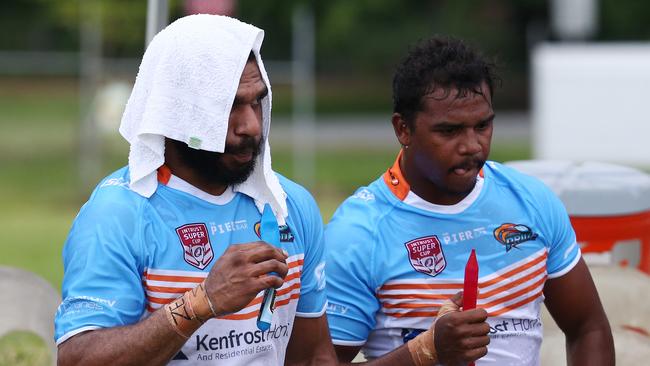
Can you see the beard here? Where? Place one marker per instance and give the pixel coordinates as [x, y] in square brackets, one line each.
[214, 167]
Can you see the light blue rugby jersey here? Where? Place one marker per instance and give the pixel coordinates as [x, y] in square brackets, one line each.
[127, 256]
[393, 258]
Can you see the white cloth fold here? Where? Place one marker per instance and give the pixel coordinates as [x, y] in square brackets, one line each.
[185, 89]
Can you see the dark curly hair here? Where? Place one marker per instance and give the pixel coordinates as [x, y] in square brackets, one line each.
[438, 62]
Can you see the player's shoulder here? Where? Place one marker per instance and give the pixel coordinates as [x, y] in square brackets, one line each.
[373, 198]
[293, 190]
[364, 208]
[506, 176]
[298, 197]
[300, 203]
[113, 192]
[111, 205]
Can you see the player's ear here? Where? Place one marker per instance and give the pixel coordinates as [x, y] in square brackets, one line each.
[402, 129]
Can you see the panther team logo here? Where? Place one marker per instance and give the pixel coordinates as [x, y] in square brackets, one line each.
[285, 232]
[197, 250]
[512, 235]
[426, 255]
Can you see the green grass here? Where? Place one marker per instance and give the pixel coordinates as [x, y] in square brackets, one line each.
[33, 238]
[23, 349]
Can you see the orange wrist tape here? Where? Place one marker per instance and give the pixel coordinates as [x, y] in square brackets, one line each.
[189, 311]
[422, 349]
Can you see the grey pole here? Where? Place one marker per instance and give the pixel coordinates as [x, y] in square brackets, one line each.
[157, 18]
[303, 94]
[574, 20]
[89, 79]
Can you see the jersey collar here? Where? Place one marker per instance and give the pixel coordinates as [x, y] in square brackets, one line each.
[400, 188]
[395, 181]
[166, 178]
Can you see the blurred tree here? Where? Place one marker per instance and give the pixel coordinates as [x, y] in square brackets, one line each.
[275, 18]
[358, 42]
[34, 25]
[624, 20]
[367, 36]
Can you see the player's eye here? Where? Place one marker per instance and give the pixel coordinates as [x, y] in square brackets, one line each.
[484, 125]
[448, 130]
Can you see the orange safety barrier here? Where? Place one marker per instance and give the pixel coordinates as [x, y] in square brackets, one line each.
[600, 233]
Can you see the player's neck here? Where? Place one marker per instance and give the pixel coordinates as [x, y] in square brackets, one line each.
[428, 190]
[198, 181]
[178, 167]
[432, 194]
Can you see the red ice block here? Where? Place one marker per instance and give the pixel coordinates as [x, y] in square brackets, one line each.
[470, 286]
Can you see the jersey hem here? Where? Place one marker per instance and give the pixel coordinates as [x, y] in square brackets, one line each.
[72, 333]
[312, 315]
[566, 269]
[340, 342]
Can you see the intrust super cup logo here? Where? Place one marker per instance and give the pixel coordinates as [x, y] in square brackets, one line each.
[426, 255]
[512, 235]
[197, 250]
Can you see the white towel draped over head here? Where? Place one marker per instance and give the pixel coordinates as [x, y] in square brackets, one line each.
[185, 89]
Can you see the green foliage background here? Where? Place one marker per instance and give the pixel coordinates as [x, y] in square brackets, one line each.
[358, 42]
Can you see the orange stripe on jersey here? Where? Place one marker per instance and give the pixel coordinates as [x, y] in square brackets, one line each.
[505, 276]
[395, 181]
[502, 288]
[201, 275]
[287, 300]
[254, 313]
[459, 286]
[410, 305]
[514, 295]
[164, 174]
[192, 279]
[243, 316]
[155, 277]
[168, 290]
[158, 300]
[414, 314]
[280, 292]
[512, 284]
[422, 286]
[292, 276]
[284, 291]
[516, 305]
[257, 300]
[415, 296]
